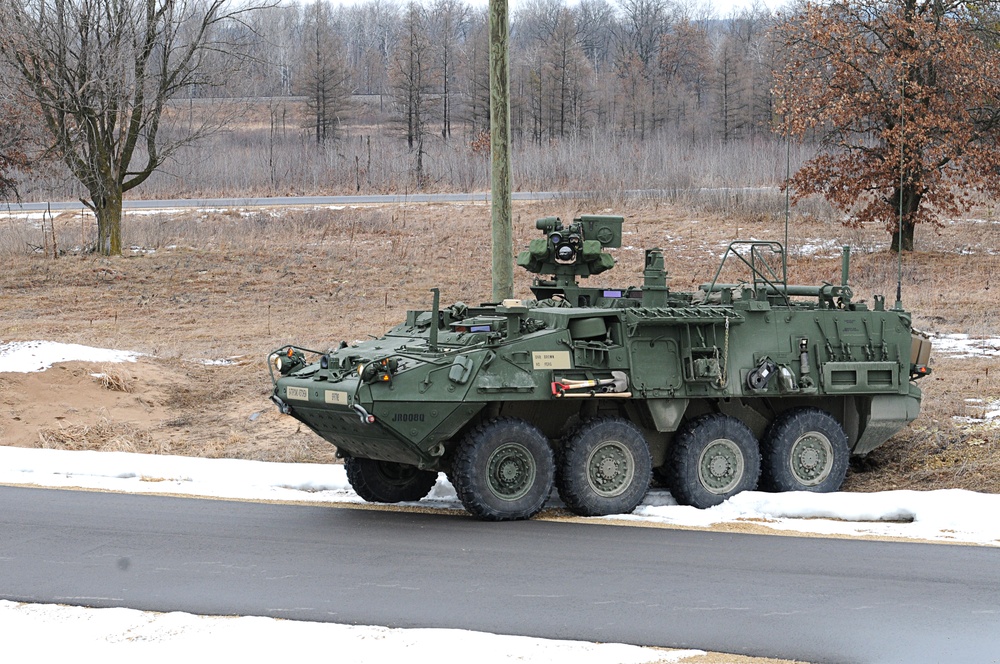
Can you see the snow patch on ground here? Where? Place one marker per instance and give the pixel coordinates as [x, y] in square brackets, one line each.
[945, 515]
[32, 356]
[963, 345]
[127, 635]
[224, 362]
[950, 515]
[818, 248]
[978, 411]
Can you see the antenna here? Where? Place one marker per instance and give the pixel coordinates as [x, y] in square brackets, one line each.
[899, 238]
[788, 177]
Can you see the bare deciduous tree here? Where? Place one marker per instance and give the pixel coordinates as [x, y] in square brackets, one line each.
[413, 82]
[551, 58]
[475, 63]
[449, 25]
[102, 73]
[371, 32]
[324, 80]
[730, 81]
[639, 38]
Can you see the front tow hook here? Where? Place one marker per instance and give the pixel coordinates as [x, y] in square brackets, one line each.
[366, 417]
[282, 406]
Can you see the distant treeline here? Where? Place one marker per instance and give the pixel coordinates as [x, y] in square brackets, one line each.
[634, 67]
[383, 96]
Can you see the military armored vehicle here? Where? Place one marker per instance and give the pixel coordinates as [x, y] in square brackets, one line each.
[601, 390]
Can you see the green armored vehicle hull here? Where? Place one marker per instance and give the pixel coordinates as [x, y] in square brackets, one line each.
[599, 391]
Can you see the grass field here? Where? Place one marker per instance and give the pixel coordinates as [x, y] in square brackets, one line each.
[205, 295]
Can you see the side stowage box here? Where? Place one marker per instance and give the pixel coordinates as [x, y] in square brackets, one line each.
[860, 377]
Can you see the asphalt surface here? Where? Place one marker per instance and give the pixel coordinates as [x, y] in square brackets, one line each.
[300, 201]
[818, 600]
[278, 201]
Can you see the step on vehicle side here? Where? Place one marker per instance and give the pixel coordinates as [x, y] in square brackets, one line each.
[597, 391]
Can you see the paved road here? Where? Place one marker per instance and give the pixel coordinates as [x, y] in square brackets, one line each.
[278, 201]
[810, 599]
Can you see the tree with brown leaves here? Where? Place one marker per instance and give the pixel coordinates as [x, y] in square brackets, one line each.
[904, 96]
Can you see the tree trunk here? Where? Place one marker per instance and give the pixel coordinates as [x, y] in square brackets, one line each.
[108, 210]
[906, 237]
[911, 203]
[421, 180]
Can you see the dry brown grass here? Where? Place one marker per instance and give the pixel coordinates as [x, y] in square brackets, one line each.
[949, 445]
[237, 284]
[249, 159]
[105, 436]
[117, 378]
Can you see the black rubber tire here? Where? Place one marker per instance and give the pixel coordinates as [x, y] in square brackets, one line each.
[503, 470]
[804, 449]
[454, 483]
[714, 457]
[604, 468]
[388, 482]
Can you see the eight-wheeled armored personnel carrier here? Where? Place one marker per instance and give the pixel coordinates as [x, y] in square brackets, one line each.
[600, 390]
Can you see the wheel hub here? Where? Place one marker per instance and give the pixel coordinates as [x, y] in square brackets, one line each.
[721, 466]
[809, 459]
[610, 469]
[511, 471]
[812, 458]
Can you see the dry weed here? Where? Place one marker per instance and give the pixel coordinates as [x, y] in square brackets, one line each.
[105, 436]
[116, 378]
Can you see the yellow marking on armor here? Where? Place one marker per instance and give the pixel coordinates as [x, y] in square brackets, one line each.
[551, 359]
[336, 397]
[300, 393]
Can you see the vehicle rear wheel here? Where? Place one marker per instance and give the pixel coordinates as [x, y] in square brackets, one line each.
[714, 457]
[388, 482]
[604, 468]
[504, 470]
[805, 449]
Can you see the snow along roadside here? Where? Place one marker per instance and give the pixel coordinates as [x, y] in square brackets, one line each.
[949, 515]
[127, 636]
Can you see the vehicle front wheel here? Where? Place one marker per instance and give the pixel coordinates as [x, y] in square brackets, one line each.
[388, 482]
[604, 468]
[805, 449]
[714, 457]
[503, 470]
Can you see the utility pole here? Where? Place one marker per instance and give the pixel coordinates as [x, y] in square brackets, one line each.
[503, 225]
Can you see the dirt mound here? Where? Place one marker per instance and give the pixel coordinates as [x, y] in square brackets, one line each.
[151, 406]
